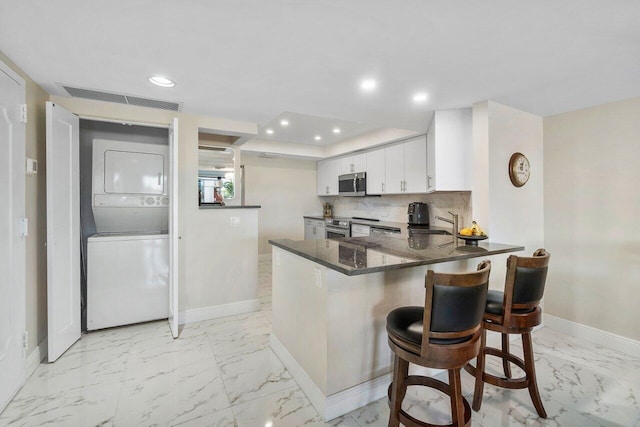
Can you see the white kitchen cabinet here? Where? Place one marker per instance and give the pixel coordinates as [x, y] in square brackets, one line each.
[376, 171]
[394, 169]
[406, 167]
[353, 163]
[449, 151]
[327, 177]
[313, 229]
[415, 165]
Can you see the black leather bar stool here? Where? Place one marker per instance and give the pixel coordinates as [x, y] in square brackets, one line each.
[444, 334]
[514, 311]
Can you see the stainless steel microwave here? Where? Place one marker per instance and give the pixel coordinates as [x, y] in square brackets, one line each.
[353, 184]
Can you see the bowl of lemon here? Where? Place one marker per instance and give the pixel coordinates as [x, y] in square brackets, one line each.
[472, 235]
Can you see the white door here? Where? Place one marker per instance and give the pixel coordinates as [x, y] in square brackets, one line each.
[12, 245]
[173, 228]
[63, 230]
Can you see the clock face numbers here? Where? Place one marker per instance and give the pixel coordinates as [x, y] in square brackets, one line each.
[519, 169]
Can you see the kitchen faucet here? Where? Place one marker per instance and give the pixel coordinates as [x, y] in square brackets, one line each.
[453, 222]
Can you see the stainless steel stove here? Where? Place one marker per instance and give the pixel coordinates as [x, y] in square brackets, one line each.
[337, 228]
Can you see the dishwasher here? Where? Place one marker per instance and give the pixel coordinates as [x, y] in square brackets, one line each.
[375, 231]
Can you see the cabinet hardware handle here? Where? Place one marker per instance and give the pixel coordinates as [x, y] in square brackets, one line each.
[429, 181]
[383, 187]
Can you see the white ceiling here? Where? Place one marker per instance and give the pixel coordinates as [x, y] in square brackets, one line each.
[254, 60]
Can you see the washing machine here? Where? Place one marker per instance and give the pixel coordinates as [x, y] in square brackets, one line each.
[127, 279]
[128, 258]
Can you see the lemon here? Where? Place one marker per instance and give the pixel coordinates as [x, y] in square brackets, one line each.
[466, 232]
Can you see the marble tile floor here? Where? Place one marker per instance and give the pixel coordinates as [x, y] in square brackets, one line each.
[222, 373]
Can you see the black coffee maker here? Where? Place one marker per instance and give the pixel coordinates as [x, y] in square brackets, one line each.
[418, 214]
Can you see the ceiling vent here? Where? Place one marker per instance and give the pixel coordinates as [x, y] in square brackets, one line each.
[98, 95]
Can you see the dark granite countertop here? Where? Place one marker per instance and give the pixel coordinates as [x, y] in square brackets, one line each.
[216, 206]
[361, 255]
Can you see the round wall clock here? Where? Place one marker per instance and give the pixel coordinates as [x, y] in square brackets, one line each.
[519, 170]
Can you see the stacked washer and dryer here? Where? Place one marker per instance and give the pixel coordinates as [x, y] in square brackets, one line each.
[128, 258]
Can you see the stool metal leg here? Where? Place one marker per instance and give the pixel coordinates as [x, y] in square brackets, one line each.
[398, 388]
[531, 374]
[505, 348]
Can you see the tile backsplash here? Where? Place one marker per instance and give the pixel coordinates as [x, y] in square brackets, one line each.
[394, 208]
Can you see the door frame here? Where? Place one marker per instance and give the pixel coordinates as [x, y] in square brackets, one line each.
[18, 210]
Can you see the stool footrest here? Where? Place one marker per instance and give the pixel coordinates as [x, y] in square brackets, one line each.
[510, 383]
[409, 421]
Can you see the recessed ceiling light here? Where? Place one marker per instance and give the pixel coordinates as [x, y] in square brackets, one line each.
[368, 84]
[317, 138]
[420, 97]
[284, 122]
[336, 130]
[161, 81]
[269, 131]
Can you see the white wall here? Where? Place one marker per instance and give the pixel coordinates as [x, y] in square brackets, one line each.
[507, 213]
[286, 190]
[592, 210]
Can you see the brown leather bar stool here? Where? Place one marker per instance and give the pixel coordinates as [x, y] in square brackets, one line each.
[444, 334]
[514, 311]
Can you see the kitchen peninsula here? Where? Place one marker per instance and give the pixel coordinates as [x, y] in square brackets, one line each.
[331, 299]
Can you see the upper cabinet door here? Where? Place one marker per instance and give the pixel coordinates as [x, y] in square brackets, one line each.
[450, 143]
[327, 172]
[394, 170]
[375, 171]
[415, 165]
[358, 163]
[322, 169]
[352, 164]
[431, 159]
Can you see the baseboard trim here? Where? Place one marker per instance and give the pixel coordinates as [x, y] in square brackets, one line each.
[356, 397]
[264, 257]
[597, 336]
[36, 357]
[215, 311]
[337, 404]
[308, 386]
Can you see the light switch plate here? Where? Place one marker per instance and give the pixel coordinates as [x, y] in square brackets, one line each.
[32, 166]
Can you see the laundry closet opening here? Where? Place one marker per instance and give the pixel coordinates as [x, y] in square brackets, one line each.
[124, 216]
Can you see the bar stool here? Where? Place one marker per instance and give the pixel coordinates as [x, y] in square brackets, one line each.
[444, 334]
[514, 311]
